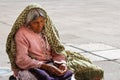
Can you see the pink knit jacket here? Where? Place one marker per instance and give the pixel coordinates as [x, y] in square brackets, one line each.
[32, 49]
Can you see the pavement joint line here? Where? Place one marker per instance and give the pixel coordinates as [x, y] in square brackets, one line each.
[91, 51]
[7, 69]
[5, 23]
[95, 54]
[104, 50]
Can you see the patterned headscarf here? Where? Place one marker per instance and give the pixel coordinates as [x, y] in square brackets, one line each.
[49, 31]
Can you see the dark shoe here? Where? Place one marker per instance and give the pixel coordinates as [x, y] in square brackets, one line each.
[12, 78]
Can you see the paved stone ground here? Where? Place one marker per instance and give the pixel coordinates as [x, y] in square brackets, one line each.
[90, 27]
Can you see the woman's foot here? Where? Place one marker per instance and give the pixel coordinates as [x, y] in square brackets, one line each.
[12, 78]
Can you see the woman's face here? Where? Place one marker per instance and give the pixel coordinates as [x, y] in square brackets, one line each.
[38, 24]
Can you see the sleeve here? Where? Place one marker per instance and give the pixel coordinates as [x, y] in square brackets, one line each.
[59, 58]
[23, 61]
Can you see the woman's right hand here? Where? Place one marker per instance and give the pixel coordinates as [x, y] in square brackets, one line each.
[52, 69]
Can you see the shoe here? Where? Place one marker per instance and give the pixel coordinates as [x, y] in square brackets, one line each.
[12, 78]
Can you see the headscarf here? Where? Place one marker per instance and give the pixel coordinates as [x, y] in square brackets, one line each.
[49, 31]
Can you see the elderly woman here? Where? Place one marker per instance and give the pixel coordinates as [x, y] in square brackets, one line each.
[33, 53]
[36, 52]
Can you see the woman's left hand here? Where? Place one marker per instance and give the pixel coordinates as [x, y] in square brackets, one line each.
[63, 68]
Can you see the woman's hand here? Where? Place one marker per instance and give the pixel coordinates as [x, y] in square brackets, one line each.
[53, 69]
[63, 68]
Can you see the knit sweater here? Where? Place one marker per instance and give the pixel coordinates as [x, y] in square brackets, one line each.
[32, 49]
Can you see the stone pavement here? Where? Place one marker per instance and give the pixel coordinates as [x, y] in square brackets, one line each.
[90, 27]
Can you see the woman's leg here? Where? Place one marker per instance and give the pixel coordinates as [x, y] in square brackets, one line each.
[66, 76]
[25, 75]
[40, 74]
[43, 75]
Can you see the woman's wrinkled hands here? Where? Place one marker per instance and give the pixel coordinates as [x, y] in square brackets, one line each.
[58, 71]
[63, 68]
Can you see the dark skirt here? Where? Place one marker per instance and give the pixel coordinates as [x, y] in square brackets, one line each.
[43, 75]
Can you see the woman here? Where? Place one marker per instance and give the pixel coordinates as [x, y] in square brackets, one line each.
[32, 43]
[34, 49]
